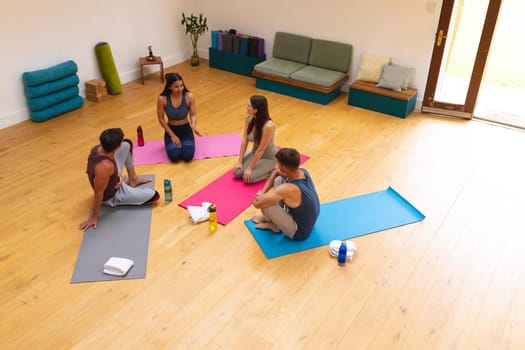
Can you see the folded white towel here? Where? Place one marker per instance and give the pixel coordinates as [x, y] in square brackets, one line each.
[199, 214]
[117, 266]
[333, 249]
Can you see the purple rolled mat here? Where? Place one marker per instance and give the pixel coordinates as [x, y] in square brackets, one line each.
[261, 47]
[219, 40]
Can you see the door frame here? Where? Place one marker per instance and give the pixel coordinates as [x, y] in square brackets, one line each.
[465, 110]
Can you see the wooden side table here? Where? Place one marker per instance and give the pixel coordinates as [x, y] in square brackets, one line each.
[145, 61]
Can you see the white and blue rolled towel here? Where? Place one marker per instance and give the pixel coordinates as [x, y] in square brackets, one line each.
[333, 249]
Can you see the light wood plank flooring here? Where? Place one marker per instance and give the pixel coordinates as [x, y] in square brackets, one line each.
[454, 281]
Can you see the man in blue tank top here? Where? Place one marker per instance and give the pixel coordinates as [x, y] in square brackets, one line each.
[288, 201]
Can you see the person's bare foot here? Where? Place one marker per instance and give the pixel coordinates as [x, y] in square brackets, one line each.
[268, 226]
[137, 181]
[259, 219]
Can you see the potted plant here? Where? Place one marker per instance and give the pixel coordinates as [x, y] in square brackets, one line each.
[195, 25]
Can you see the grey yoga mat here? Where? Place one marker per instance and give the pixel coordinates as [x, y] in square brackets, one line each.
[122, 232]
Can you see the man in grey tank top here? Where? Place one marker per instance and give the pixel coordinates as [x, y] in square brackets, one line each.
[289, 200]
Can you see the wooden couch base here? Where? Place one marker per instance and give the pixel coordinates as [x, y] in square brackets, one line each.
[298, 89]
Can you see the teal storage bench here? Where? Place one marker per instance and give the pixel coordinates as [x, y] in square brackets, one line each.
[367, 95]
[233, 62]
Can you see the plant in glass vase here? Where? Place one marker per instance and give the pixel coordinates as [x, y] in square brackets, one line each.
[195, 25]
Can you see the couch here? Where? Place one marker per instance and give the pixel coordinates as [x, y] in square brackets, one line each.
[306, 68]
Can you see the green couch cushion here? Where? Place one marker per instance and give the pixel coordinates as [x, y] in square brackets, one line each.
[317, 76]
[331, 55]
[279, 67]
[292, 47]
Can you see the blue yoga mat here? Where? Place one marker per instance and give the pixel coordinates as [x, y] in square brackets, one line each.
[343, 219]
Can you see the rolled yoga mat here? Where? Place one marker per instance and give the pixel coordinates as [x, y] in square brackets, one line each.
[122, 232]
[108, 68]
[236, 44]
[253, 49]
[227, 42]
[214, 35]
[244, 45]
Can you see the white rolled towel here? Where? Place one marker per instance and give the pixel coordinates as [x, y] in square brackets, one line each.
[333, 249]
[118, 266]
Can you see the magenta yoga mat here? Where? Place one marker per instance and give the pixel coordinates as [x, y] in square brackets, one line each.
[212, 146]
[231, 195]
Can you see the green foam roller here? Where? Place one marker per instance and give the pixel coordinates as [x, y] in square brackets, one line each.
[108, 68]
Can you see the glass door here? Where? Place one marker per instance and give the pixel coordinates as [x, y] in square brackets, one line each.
[502, 91]
[460, 52]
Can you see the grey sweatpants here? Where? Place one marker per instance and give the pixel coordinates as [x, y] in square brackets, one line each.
[262, 170]
[127, 195]
[278, 213]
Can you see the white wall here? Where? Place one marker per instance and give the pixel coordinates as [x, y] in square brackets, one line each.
[36, 34]
[403, 29]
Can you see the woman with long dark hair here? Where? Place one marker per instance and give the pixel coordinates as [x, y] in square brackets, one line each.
[176, 101]
[259, 163]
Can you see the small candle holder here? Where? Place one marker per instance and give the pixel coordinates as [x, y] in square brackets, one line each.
[150, 56]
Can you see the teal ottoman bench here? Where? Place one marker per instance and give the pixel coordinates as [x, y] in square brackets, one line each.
[367, 95]
[233, 62]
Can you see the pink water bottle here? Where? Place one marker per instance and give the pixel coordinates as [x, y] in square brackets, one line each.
[140, 136]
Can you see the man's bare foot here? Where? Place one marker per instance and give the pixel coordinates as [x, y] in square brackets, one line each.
[268, 226]
[260, 219]
[137, 181]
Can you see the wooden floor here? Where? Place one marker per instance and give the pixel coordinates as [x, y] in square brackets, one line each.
[453, 281]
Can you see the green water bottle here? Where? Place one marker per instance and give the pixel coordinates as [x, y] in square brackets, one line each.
[167, 191]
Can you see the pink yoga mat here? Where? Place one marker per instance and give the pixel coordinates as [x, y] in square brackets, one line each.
[231, 195]
[211, 146]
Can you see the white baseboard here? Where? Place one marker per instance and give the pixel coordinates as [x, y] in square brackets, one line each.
[14, 118]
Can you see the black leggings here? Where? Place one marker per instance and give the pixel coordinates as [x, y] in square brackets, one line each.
[187, 150]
